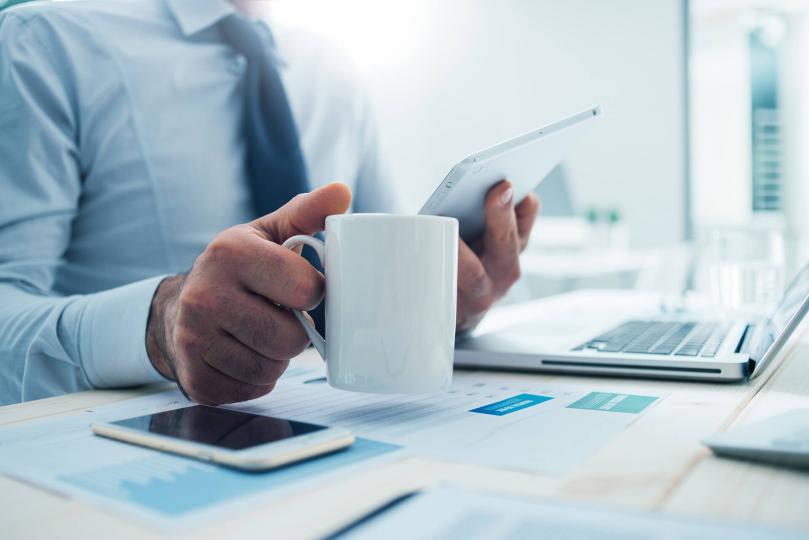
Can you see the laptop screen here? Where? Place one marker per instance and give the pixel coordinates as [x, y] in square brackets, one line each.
[783, 320]
[792, 299]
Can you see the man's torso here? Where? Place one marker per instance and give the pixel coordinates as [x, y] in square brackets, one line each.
[159, 135]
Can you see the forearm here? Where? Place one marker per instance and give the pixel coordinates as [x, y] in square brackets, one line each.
[51, 345]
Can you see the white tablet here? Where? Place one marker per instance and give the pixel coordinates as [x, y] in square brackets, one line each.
[523, 160]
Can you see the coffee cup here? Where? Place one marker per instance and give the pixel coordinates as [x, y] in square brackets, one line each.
[391, 283]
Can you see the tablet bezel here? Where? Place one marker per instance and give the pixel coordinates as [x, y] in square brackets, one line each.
[461, 194]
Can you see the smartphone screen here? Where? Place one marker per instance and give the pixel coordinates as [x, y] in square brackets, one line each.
[214, 426]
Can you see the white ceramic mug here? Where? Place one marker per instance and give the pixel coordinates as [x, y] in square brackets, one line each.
[390, 301]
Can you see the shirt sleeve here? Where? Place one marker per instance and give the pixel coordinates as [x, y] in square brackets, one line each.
[51, 344]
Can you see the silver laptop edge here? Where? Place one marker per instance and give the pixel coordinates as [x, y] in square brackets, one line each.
[746, 350]
[774, 346]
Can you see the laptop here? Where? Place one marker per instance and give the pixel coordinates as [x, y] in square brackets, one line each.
[624, 333]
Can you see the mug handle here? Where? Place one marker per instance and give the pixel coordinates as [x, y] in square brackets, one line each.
[314, 336]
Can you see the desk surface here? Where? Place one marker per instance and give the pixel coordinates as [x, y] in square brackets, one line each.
[656, 464]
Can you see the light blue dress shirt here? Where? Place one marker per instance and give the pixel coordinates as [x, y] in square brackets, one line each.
[121, 156]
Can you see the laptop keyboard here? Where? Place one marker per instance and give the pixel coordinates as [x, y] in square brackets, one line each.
[661, 337]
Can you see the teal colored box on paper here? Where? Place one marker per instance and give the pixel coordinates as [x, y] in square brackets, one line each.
[606, 401]
[512, 404]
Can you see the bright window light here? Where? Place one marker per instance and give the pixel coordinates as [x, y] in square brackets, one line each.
[372, 32]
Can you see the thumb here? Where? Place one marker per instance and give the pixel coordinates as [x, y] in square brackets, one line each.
[305, 214]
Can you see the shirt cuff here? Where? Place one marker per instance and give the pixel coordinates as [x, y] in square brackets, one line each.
[112, 335]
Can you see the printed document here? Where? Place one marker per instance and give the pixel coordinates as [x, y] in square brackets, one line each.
[483, 418]
[154, 488]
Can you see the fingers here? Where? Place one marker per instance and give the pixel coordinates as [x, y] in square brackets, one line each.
[475, 294]
[201, 381]
[208, 386]
[267, 330]
[243, 364]
[230, 345]
[501, 241]
[473, 281]
[228, 342]
[526, 213]
[264, 268]
[306, 213]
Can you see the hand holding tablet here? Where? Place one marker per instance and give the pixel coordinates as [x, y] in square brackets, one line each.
[523, 160]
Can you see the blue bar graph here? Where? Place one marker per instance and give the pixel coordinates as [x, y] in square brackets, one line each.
[174, 485]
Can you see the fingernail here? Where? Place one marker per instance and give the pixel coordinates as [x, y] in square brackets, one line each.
[507, 197]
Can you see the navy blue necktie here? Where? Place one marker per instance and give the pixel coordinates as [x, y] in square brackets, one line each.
[275, 163]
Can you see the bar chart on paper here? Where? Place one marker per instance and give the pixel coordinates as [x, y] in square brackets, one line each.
[483, 419]
[160, 489]
[174, 485]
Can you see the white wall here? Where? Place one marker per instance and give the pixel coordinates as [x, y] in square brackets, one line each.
[794, 92]
[449, 77]
[721, 192]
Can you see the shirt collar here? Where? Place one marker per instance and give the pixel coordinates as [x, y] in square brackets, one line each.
[195, 15]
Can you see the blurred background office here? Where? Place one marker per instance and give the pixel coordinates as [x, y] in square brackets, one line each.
[697, 177]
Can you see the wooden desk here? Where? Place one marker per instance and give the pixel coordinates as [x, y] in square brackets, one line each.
[657, 464]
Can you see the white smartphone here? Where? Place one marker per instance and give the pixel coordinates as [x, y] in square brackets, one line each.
[227, 437]
[523, 160]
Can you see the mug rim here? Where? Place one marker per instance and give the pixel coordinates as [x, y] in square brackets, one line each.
[374, 216]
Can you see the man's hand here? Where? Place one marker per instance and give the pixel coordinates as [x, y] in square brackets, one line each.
[488, 268]
[220, 330]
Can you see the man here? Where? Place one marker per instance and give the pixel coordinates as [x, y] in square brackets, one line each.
[136, 137]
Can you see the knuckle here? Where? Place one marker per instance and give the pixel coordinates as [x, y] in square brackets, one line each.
[223, 249]
[293, 203]
[296, 199]
[186, 341]
[196, 298]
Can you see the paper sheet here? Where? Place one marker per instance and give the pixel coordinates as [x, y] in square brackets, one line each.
[447, 513]
[154, 488]
[485, 418]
